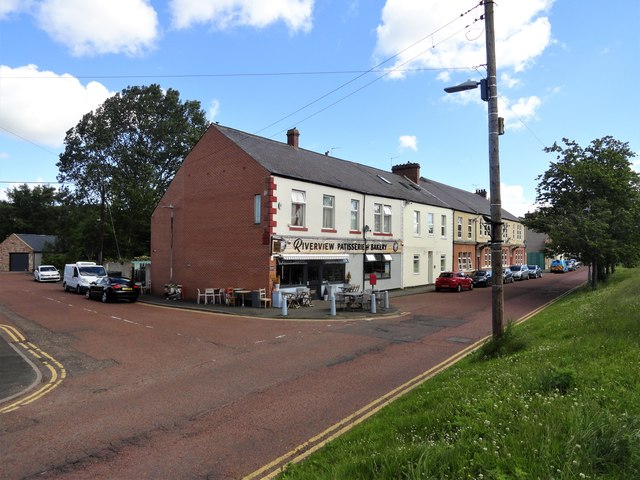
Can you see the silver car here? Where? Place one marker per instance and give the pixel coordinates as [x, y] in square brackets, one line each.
[520, 272]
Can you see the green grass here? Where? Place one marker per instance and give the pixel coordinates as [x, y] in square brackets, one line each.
[557, 398]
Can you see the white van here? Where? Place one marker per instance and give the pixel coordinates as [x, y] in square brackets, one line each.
[78, 276]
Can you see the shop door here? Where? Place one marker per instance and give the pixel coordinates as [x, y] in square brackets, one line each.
[315, 277]
[18, 262]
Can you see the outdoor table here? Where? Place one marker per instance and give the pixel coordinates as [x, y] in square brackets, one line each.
[242, 293]
[353, 299]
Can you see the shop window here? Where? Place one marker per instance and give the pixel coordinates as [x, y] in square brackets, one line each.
[377, 264]
[328, 213]
[298, 208]
[355, 215]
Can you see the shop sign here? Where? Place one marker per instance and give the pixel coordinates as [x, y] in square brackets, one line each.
[339, 246]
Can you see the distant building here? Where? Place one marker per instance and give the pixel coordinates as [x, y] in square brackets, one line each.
[22, 252]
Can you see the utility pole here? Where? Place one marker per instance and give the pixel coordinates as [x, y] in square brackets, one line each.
[101, 253]
[497, 293]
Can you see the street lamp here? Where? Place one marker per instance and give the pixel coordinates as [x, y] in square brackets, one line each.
[489, 93]
[170, 207]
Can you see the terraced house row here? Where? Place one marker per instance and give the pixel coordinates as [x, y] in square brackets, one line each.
[246, 211]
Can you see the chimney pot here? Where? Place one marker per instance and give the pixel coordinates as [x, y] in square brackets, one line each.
[292, 137]
[482, 192]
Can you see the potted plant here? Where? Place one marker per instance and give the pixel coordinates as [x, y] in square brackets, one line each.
[275, 279]
[347, 278]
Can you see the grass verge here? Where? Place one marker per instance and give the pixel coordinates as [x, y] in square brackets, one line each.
[557, 398]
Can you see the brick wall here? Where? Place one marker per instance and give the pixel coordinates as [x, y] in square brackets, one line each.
[215, 240]
[12, 244]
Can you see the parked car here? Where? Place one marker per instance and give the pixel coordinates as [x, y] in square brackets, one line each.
[520, 272]
[46, 273]
[535, 271]
[457, 281]
[78, 276]
[507, 275]
[571, 265]
[481, 278]
[558, 266]
[110, 289]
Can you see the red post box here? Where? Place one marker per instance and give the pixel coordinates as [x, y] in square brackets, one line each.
[373, 279]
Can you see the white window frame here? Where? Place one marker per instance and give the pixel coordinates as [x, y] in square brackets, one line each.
[386, 219]
[416, 223]
[298, 208]
[443, 263]
[328, 212]
[443, 226]
[355, 215]
[469, 228]
[459, 229]
[416, 264]
[377, 217]
[430, 224]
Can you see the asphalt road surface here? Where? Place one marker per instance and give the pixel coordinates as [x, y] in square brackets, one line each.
[139, 391]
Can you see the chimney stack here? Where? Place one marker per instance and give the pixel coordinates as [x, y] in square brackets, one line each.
[292, 137]
[482, 192]
[409, 170]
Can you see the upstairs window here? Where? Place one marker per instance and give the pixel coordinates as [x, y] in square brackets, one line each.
[355, 215]
[430, 223]
[469, 229]
[298, 208]
[443, 226]
[328, 212]
[459, 227]
[416, 222]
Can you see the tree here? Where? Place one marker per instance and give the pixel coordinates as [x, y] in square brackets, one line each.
[29, 211]
[588, 203]
[124, 155]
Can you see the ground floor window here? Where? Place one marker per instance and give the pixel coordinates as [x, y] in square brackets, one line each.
[464, 261]
[312, 273]
[416, 264]
[378, 264]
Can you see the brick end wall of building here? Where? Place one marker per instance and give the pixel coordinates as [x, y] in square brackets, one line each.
[216, 242]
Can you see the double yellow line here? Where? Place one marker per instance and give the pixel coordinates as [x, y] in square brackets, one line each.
[56, 370]
[302, 451]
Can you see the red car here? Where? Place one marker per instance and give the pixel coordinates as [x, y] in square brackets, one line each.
[454, 281]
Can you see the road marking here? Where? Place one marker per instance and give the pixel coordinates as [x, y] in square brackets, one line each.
[57, 372]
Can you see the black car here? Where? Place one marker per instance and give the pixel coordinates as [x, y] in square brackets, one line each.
[481, 278]
[110, 289]
[535, 271]
[507, 275]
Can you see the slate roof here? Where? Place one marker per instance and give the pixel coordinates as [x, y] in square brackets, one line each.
[37, 242]
[286, 161]
[297, 163]
[463, 200]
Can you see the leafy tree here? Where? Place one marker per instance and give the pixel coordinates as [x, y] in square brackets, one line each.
[122, 158]
[29, 211]
[589, 204]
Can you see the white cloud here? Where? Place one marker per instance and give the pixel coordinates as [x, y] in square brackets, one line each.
[8, 7]
[40, 106]
[214, 109]
[522, 33]
[408, 142]
[99, 27]
[514, 201]
[509, 81]
[296, 14]
[522, 111]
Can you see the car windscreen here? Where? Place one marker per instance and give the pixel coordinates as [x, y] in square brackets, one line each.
[119, 280]
[94, 271]
[47, 269]
[515, 268]
[446, 275]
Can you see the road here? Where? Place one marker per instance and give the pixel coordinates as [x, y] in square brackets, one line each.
[148, 392]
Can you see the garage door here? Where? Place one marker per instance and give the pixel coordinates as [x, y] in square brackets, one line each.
[18, 262]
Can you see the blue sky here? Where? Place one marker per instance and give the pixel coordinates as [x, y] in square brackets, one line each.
[361, 79]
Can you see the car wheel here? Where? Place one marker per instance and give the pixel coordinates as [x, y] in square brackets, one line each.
[87, 294]
[78, 289]
[459, 288]
[471, 286]
[437, 289]
[105, 297]
[64, 286]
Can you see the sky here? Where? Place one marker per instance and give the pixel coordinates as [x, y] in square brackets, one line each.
[361, 79]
